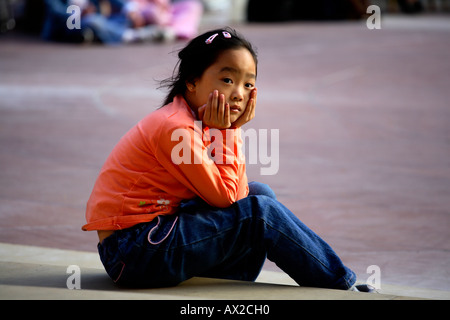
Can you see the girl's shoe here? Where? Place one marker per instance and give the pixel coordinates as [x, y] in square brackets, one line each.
[363, 288]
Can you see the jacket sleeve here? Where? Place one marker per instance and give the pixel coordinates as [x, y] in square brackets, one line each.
[209, 162]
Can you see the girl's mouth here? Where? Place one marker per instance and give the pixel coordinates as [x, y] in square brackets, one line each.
[235, 109]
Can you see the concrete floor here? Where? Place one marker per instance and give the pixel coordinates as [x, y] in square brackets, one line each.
[363, 118]
[37, 273]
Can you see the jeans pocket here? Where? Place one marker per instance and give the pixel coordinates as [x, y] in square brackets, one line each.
[162, 230]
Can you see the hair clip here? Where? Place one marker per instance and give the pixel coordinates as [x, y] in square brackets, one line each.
[226, 35]
[210, 39]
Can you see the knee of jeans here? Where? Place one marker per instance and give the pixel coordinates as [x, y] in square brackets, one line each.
[259, 188]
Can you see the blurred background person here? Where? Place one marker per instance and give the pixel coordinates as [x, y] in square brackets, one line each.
[122, 21]
[100, 20]
[176, 19]
[7, 21]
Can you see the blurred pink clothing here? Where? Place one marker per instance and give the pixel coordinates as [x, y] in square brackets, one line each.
[182, 16]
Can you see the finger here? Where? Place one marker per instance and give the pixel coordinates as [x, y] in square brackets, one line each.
[227, 117]
[247, 116]
[252, 111]
[255, 94]
[249, 112]
[207, 113]
[252, 106]
[249, 109]
[221, 108]
[215, 101]
[201, 112]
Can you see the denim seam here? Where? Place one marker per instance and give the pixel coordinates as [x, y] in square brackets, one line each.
[121, 271]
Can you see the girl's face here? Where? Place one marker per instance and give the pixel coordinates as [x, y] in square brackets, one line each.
[233, 75]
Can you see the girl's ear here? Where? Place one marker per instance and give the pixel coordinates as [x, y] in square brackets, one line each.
[190, 85]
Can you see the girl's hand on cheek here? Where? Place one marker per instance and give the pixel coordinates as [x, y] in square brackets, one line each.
[215, 113]
[249, 112]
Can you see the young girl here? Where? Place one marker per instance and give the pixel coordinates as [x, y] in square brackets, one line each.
[172, 203]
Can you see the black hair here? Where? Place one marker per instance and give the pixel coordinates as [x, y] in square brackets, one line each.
[198, 55]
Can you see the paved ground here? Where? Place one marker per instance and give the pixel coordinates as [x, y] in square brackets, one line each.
[31, 272]
[363, 119]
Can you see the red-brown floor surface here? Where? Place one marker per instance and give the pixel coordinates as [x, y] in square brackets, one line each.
[363, 118]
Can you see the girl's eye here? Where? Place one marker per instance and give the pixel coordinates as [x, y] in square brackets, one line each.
[227, 80]
[249, 85]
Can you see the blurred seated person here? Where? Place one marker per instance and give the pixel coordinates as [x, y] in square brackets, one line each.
[178, 19]
[100, 20]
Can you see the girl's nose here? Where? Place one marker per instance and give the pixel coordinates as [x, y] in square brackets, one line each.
[237, 95]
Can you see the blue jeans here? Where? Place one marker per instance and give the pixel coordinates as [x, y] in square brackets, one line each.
[228, 243]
